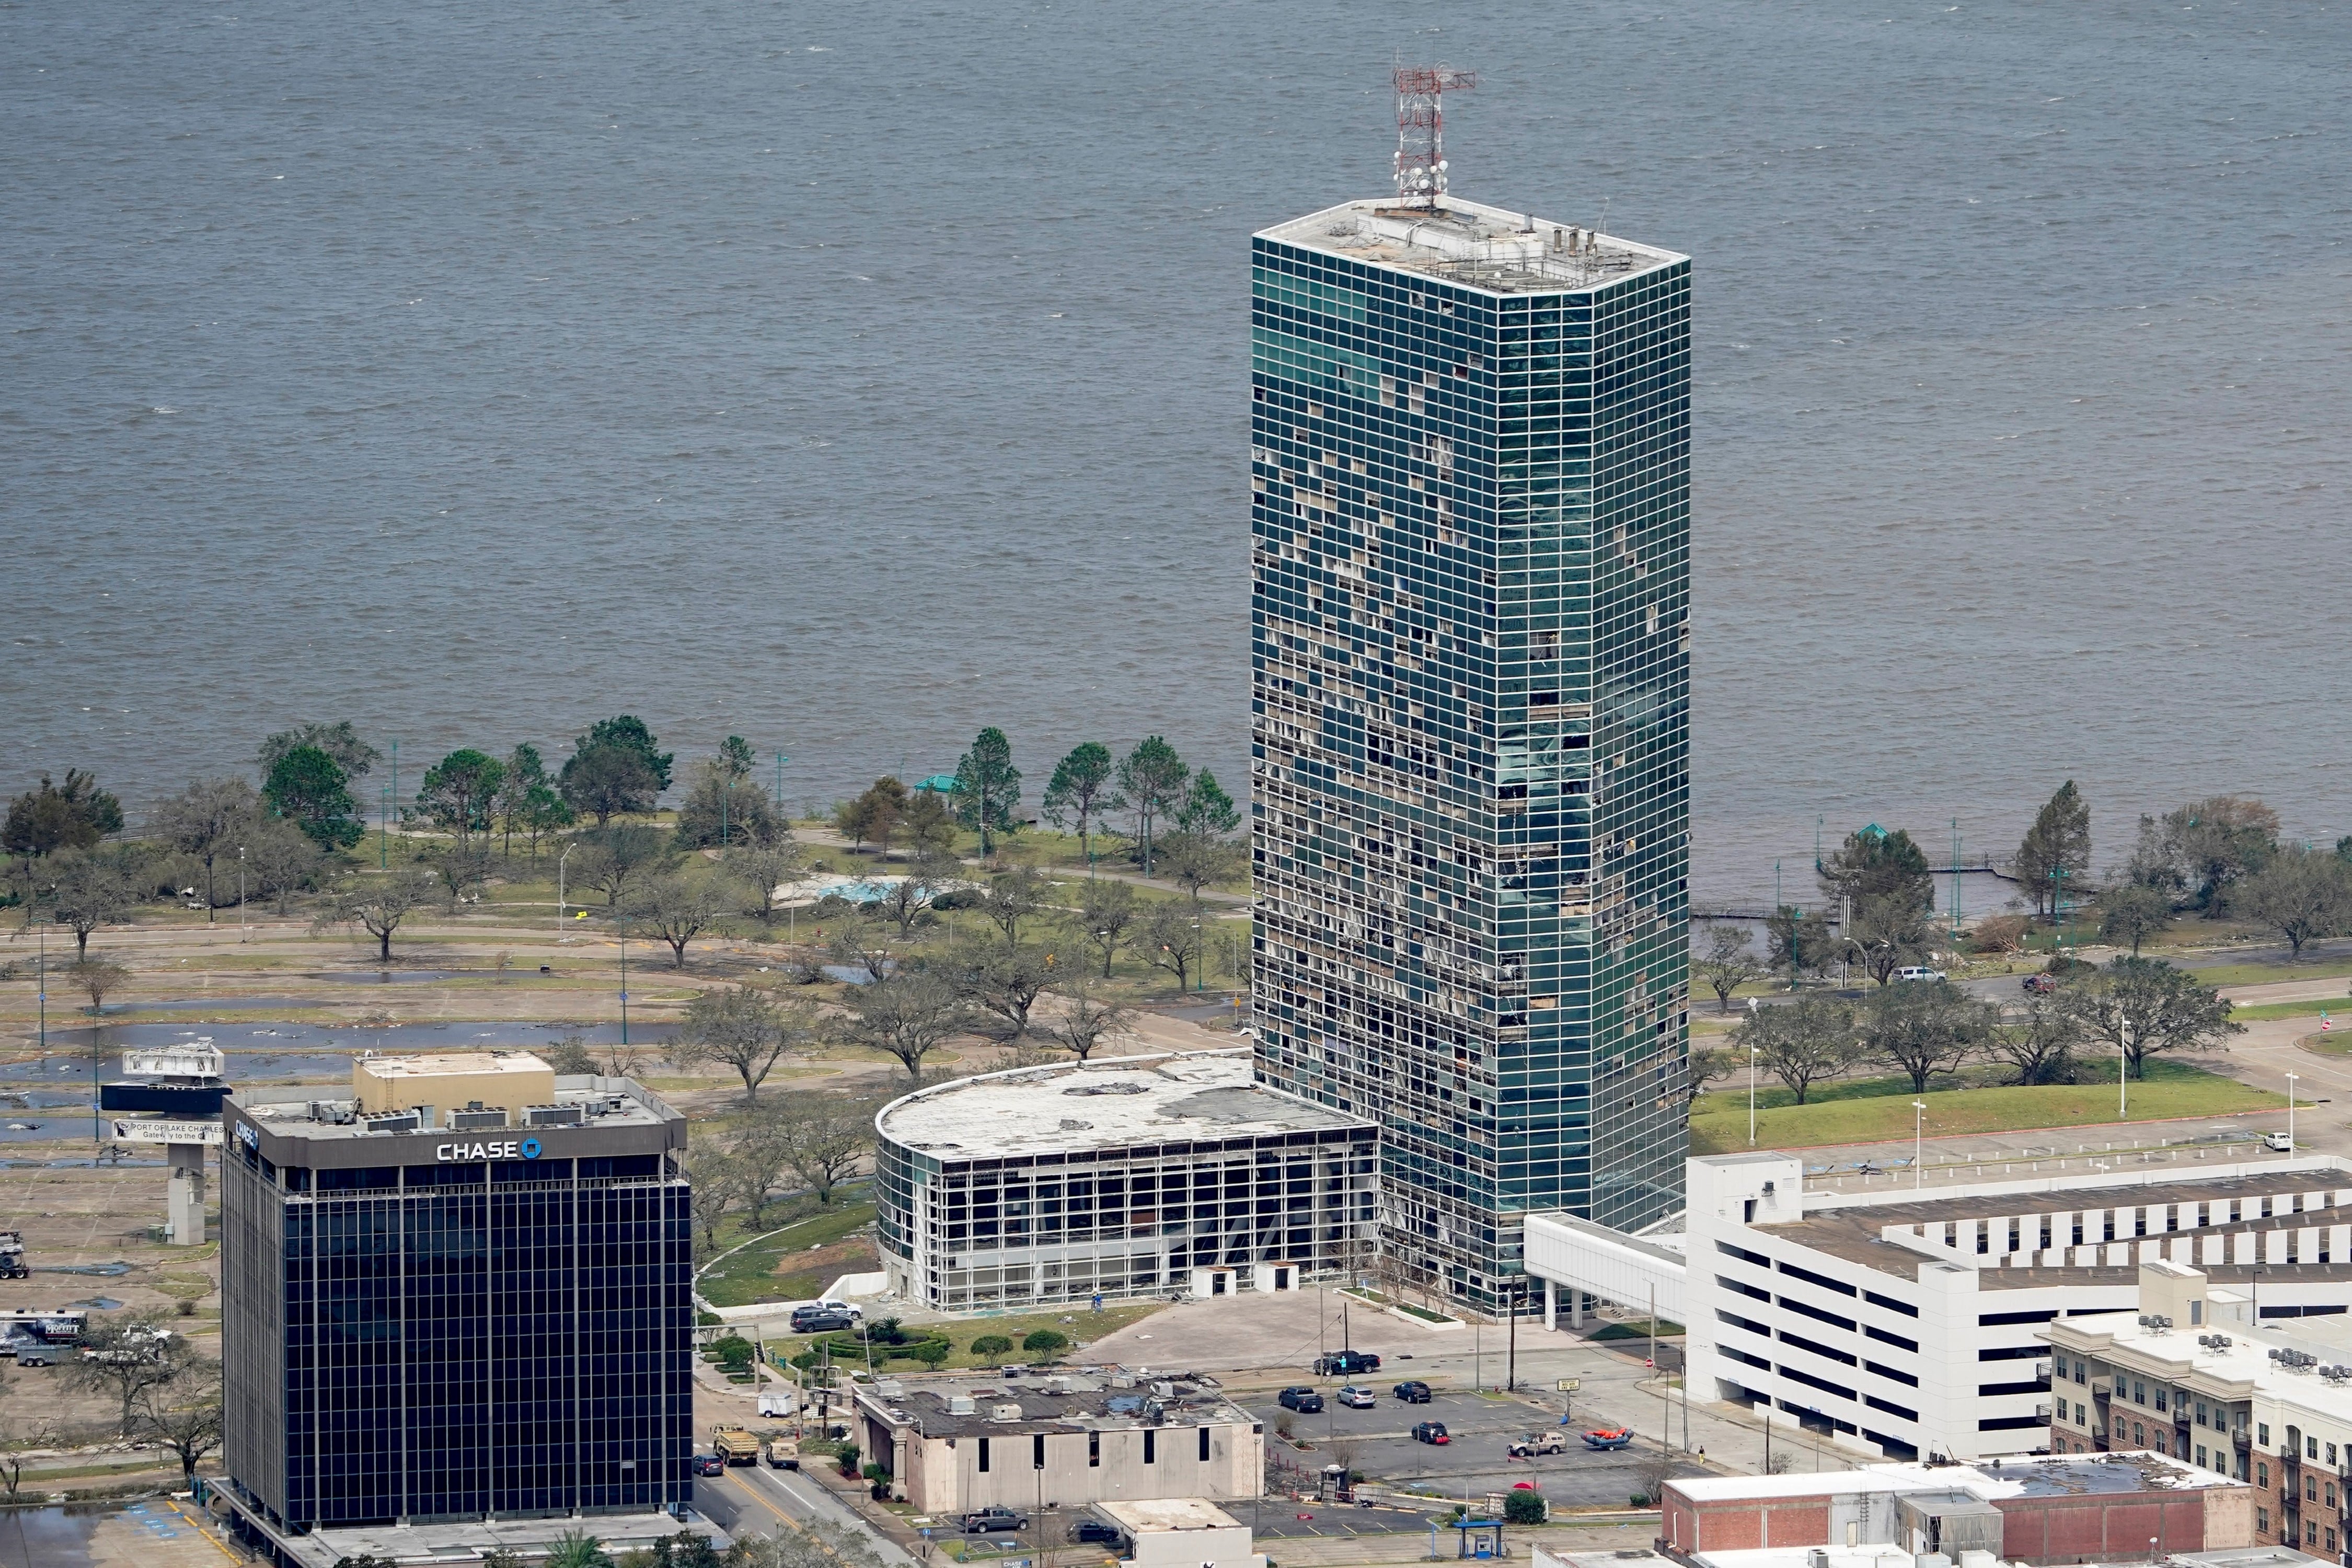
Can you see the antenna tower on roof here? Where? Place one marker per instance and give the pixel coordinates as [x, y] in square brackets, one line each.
[1420, 128]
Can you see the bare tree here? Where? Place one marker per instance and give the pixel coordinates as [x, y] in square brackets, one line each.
[744, 1029]
[184, 1415]
[128, 1357]
[1730, 963]
[91, 888]
[282, 858]
[1106, 910]
[1013, 898]
[718, 1183]
[907, 900]
[97, 978]
[857, 944]
[379, 904]
[1089, 1020]
[2039, 1042]
[1801, 1042]
[764, 870]
[1005, 980]
[1169, 937]
[1195, 860]
[821, 1137]
[675, 908]
[207, 820]
[614, 859]
[1925, 1027]
[464, 868]
[909, 1016]
[2302, 893]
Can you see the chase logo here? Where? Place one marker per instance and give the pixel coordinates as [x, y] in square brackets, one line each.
[248, 1136]
[531, 1148]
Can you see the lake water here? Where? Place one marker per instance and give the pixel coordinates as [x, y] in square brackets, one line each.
[853, 376]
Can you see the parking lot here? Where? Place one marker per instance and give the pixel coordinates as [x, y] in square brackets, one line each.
[1378, 1443]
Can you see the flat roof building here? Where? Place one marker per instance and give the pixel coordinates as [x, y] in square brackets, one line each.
[1470, 508]
[958, 1442]
[1126, 1176]
[1908, 1321]
[429, 1324]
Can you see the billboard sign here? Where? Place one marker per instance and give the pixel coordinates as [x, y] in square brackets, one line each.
[164, 1130]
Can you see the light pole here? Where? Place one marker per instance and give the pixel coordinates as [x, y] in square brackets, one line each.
[244, 932]
[2123, 1073]
[1918, 1138]
[560, 859]
[1751, 1081]
[624, 991]
[2290, 1110]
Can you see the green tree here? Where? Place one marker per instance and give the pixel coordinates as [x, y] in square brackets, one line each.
[743, 1029]
[1047, 1343]
[1106, 911]
[991, 1348]
[2131, 914]
[1081, 792]
[822, 1137]
[1195, 861]
[930, 827]
[458, 789]
[1003, 979]
[1730, 964]
[614, 770]
[281, 858]
[2058, 846]
[1207, 810]
[764, 871]
[208, 819]
[1873, 864]
[612, 860]
[1525, 1507]
[988, 789]
[1152, 778]
[380, 904]
[577, 1549]
[76, 816]
[340, 742]
[1801, 1042]
[908, 1014]
[1922, 1027]
[309, 789]
[2142, 1006]
[874, 816]
[2300, 892]
[2208, 845]
[735, 758]
[725, 807]
[1797, 941]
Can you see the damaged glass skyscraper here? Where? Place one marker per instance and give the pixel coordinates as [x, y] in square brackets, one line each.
[1471, 487]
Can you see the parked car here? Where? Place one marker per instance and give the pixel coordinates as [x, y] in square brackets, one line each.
[1303, 1400]
[2040, 984]
[990, 1520]
[1095, 1530]
[1413, 1391]
[1527, 1447]
[2278, 1142]
[1357, 1398]
[1431, 1432]
[1345, 1363]
[1918, 971]
[820, 1320]
[709, 1465]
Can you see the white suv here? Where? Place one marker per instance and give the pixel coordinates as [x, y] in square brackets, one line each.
[1918, 971]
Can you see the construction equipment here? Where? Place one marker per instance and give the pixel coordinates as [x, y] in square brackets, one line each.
[734, 1445]
[12, 1255]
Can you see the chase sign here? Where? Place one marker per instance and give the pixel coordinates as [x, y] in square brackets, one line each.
[495, 1149]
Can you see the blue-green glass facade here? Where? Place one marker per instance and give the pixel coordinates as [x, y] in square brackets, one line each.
[1470, 502]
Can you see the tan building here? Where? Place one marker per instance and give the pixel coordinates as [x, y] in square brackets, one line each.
[463, 1091]
[959, 1442]
[1183, 1533]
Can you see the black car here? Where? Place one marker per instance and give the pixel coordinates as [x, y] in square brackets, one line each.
[819, 1319]
[1414, 1392]
[1096, 1531]
[1345, 1363]
[709, 1465]
[1303, 1400]
[1432, 1432]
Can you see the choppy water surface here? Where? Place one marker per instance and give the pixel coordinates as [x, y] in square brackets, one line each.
[852, 376]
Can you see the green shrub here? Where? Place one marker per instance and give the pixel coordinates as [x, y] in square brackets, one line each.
[932, 1354]
[1523, 1508]
[992, 1347]
[1045, 1341]
[734, 1353]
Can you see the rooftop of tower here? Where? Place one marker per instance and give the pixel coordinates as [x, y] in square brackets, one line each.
[1476, 246]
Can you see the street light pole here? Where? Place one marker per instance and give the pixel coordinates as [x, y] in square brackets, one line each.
[2290, 1110]
[560, 859]
[1918, 1140]
[1751, 1081]
[624, 991]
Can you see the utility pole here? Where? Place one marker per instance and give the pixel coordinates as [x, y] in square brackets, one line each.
[1511, 1365]
[781, 761]
[624, 991]
[1956, 884]
[1919, 1142]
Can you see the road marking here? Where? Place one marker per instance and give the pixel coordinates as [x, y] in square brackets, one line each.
[205, 1533]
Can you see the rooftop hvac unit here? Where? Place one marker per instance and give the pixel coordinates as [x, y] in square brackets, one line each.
[1163, 1391]
[334, 1112]
[473, 1121]
[1004, 1413]
[891, 1389]
[960, 1404]
[1057, 1385]
[390, 1121]
[553, 1115]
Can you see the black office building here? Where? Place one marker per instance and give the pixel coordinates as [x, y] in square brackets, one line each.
[455, 1315]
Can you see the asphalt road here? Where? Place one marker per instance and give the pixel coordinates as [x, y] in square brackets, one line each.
[1379, 1443]
[757, 1500]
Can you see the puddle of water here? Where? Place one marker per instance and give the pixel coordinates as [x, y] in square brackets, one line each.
[290, 1050]
[393, 976]
[100, 1303]
[49, 1537]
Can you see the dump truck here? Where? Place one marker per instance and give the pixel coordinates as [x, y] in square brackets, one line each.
[734, 1445]
[784, 1453]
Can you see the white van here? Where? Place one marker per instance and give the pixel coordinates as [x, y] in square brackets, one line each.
[1918, 971]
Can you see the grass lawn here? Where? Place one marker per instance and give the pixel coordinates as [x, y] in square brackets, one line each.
[1638, 1328]
[1867, 1110]
[2338, 1006]
[1082, 1325]
[750, 1274]
[2335, 968]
